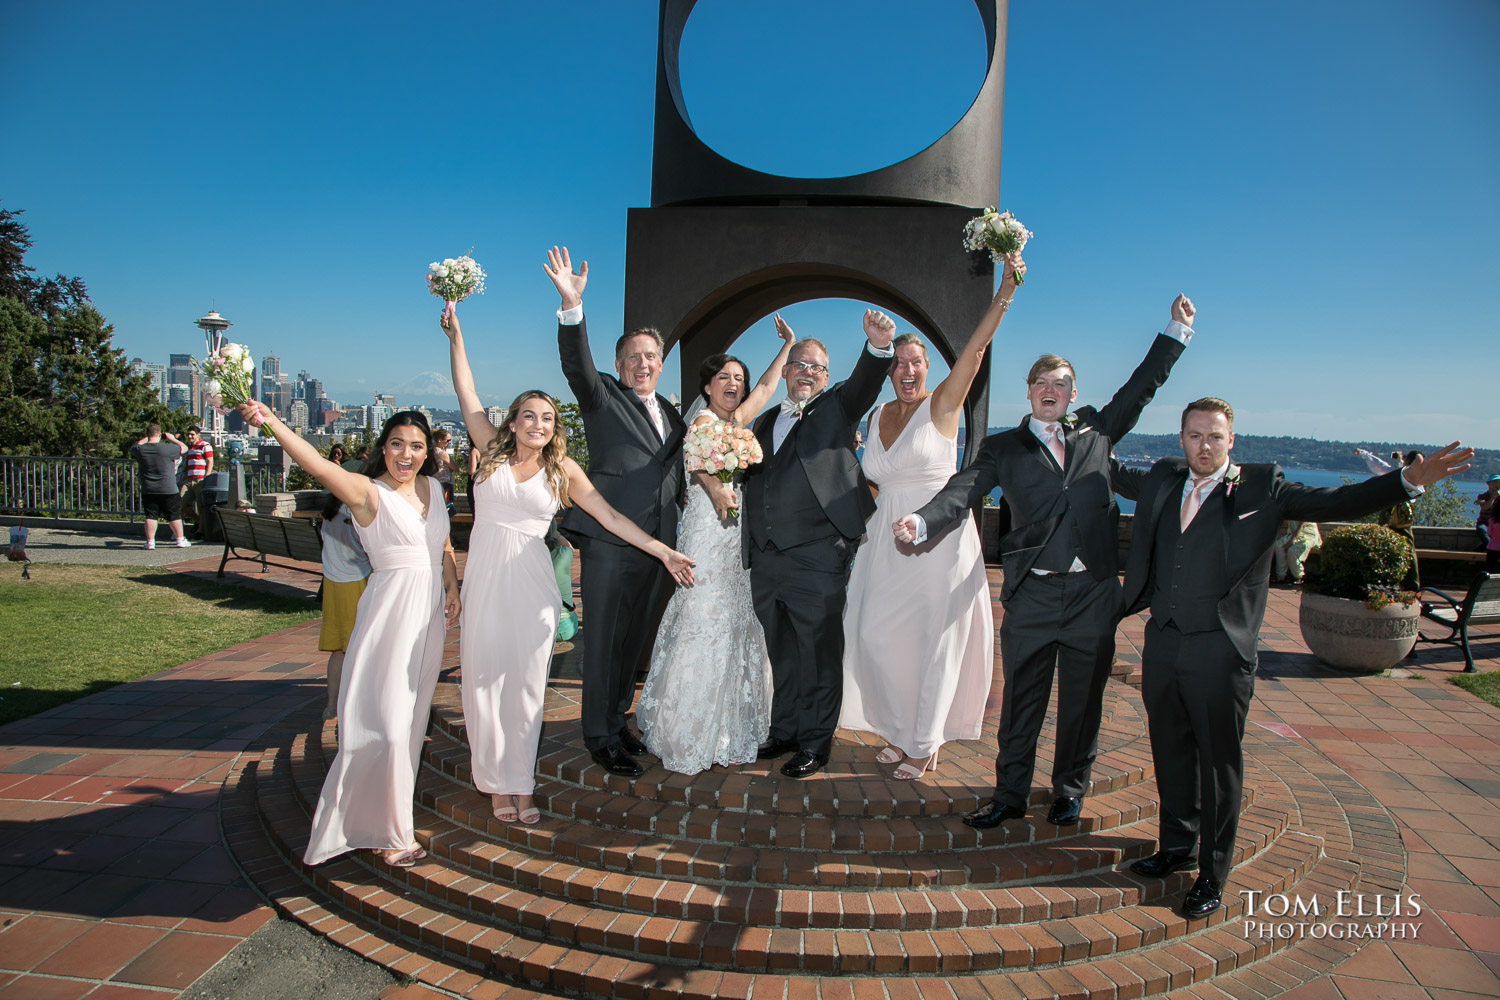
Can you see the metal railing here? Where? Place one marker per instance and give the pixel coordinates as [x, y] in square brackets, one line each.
[61, 487]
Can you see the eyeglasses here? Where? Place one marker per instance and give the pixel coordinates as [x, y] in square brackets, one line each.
[819, 370]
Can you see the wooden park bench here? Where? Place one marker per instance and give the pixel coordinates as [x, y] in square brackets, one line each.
[1480, 606]
[267, 535]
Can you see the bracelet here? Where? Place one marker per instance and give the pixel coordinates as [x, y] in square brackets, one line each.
[1004, 304]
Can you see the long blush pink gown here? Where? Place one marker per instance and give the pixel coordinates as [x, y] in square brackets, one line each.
[919, 633]
[390, 672]
[510, 613]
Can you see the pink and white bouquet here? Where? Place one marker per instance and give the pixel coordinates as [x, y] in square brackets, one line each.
[721, 449]
[1001, 235]
[227, 376]
[454, 279]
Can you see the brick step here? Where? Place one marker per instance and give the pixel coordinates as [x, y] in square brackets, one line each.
[566, 905]
[645, 837]
[749, 796]
[1145, 938]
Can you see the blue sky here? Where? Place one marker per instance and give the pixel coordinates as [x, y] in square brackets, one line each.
[1319, 176]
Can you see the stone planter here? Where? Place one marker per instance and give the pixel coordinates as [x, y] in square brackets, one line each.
[1347, 635]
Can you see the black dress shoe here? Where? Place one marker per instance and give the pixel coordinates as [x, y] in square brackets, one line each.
[773, 748]
[632, 743]
[1163, 863]
[1065, 810]
[1203, 898]
[804, 764]
[616, 761]
[992, 815]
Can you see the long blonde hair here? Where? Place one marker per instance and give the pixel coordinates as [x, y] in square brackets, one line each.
[503, 446]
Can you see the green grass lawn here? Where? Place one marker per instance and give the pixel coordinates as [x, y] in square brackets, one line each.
[74, 630]
[1486, 686]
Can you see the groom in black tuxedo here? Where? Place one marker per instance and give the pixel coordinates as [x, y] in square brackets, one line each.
[1200, 560]
[635, 462]
[1061, 590]
[805, 509]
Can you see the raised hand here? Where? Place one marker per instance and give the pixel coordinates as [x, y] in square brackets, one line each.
[448, 320]
[559, 268]
[1013, 268]
[905, 529]
[680, 566]
[1439, 465]
[254, 412]
[783, 331]
[880, 329]
[1183, 311]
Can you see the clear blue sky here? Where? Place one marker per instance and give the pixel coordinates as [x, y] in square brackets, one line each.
[1320, 176]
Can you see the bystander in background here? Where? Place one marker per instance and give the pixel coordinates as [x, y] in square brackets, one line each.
[346, 569]
[157, 455]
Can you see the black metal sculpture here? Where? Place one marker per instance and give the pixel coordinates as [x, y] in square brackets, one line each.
[723, 245]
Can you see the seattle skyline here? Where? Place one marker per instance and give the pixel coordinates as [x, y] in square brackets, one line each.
[1318, 178]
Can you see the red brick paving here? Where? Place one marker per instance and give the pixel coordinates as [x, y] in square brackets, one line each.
[115, 884]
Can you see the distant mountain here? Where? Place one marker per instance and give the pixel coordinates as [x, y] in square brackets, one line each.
[424, 384]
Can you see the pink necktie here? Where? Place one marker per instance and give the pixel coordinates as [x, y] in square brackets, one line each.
[1055, 444]
[1193, 500]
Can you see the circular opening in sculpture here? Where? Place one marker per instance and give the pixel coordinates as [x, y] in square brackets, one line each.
[828, 88]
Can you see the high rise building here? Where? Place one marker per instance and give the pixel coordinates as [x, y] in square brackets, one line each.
[386, 399]
[377, 415]
[495, 415]
[180, 396]
[182, 371]
[156, 371]
[297, 415]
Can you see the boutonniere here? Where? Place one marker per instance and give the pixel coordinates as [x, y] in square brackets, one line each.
[1069, 420]
[1231, 479]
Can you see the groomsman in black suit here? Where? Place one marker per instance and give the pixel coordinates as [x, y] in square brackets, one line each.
[1061, 590]
[805, 509]
[1200, 560]
[635, 461]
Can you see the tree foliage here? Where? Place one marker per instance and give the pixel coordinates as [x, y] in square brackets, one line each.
[571, 417]
[67, 390]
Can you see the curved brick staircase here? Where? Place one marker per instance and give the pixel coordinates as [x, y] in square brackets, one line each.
[740, 883]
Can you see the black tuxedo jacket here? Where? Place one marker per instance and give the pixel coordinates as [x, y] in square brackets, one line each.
[823, 442]
[637, 472]
[1040, 495]
[1249, 520]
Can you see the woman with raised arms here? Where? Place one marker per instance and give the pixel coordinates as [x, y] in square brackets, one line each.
[511, 603]
[396, 648]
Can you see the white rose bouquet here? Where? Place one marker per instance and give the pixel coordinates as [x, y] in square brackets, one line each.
[1001, 235]
[454, 279]
[721, 449]
[226, 379]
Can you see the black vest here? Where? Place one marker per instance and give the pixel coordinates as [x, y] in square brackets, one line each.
[788, 509]
[1188, 568]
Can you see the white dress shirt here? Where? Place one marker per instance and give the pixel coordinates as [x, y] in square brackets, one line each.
[784, 421]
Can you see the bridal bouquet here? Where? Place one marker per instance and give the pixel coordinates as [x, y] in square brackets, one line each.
[721, 449]
[226, 379]
[454, 279]
[999, 233]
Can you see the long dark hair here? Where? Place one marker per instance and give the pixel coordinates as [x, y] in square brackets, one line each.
[375, 464]
[712, 365]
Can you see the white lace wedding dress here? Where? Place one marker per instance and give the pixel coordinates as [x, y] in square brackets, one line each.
[707, 698]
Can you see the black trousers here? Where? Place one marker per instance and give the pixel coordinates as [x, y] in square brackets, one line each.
[1062, 623]
[799, 596]
[622, 586]
[1197, 691]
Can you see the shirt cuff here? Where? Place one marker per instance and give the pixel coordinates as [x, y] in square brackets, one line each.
[880, 352]
[570, 317]
[1412, 489]
[1178, 331]
[921, 535]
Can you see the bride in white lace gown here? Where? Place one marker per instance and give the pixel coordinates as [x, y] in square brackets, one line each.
[707, 697]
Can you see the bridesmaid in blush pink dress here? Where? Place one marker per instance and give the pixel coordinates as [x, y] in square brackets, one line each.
[919, 640]
[391, 667]
[511, 604]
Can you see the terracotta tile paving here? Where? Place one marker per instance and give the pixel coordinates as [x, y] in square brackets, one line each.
[115, 884]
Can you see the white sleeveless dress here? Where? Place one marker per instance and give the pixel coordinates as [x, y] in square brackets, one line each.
[511, 607]
[707, 697]
[919, 632]
[390, 671]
